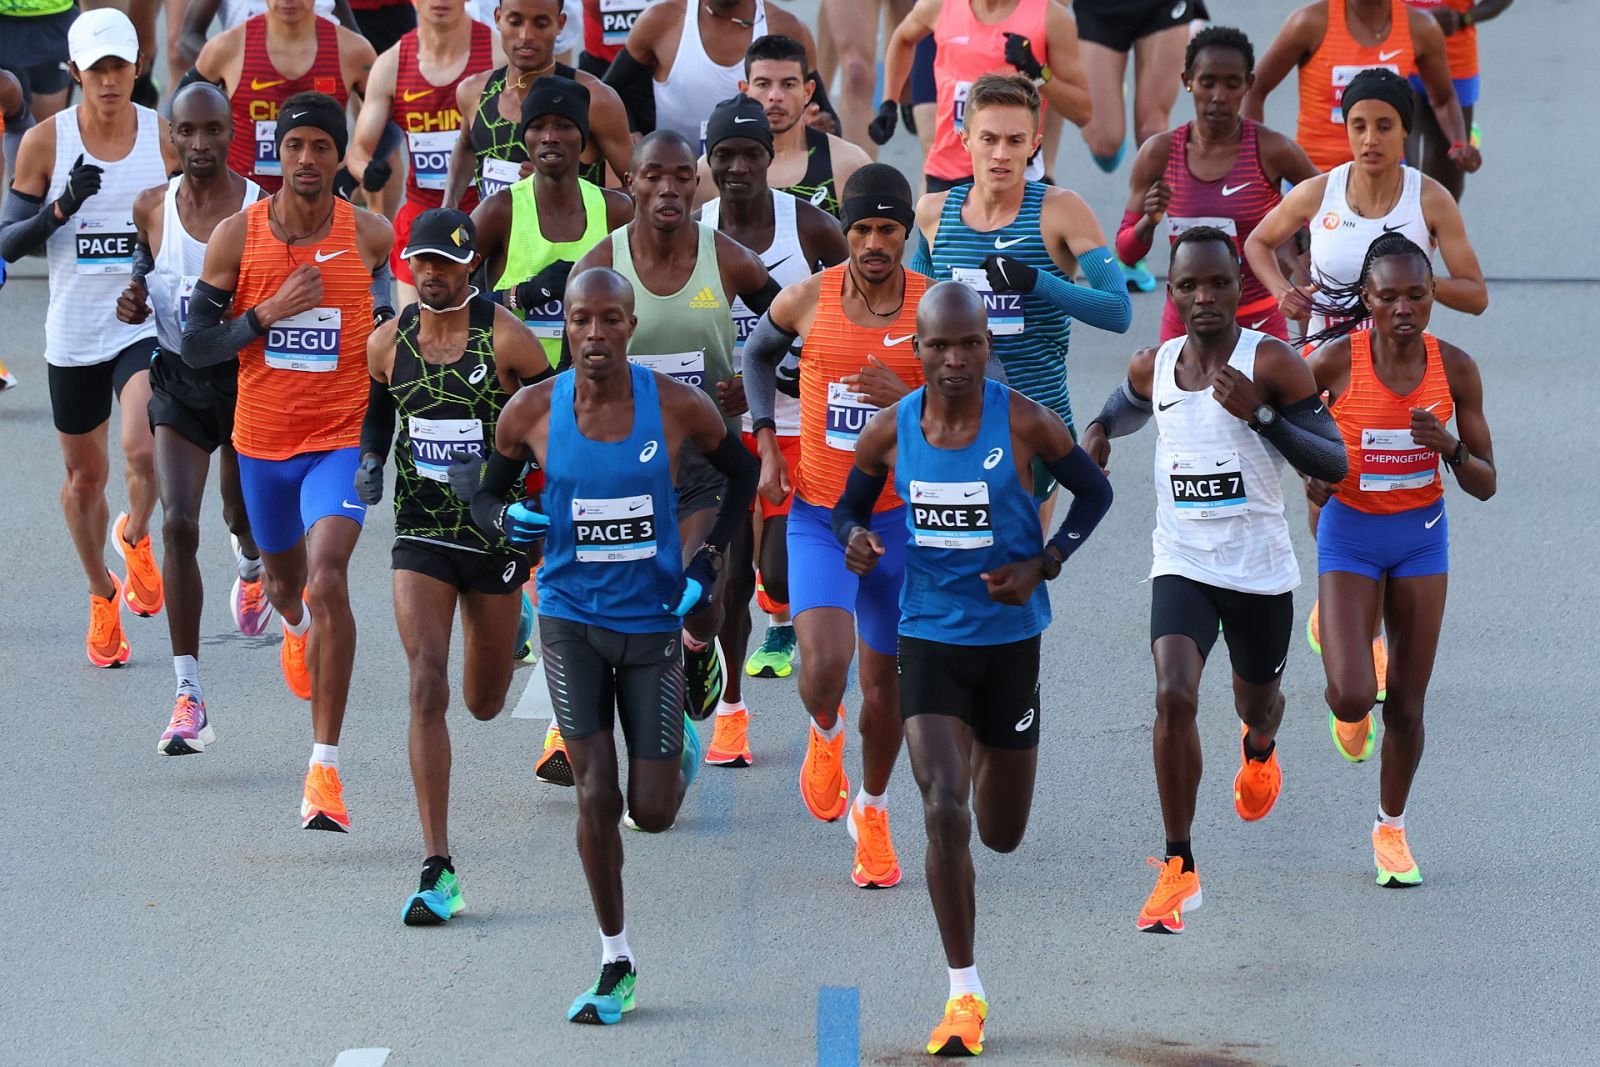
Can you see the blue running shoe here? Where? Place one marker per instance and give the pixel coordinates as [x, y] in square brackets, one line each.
[605, 1002]
[694, 750]
[1138, 277]
[437, 898]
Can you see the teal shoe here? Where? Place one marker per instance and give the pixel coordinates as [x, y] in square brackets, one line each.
[609, 998]
[1138, 277]
[436, 899]
[775, 657]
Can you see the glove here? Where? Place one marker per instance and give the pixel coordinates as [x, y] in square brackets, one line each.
[522, 525]
[369, 480]
[908, 118]
[699, 581]
[376, 176]
[549, 284]
[83, 181]
[1019, 53]
[344, 183]
[466, 475]
[881, 128]
[1010, 275]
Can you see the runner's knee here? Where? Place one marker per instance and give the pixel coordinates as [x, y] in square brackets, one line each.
[180, 530]
[946, 815]
[1176, 701]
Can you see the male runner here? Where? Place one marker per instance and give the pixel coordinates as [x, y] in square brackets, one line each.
[191, 411]
[1017, 242]
[413, 85]
[1231, 406]
[858, 319]
[34, 50]
[1155, 31]
[444, 369]
[963, 450]
[72, 195]
[685, 277]
[308, 270]
[613, 589]
[271, 58]
[196, 19]
[1458, 20]
[793, 240]
[490, 149]
[854, 27]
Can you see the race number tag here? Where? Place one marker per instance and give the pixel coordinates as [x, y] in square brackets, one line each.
[617, 18]
[1207, 485]
[686, 367]
[1391, 460]
[960, 104]
[1343, 76]
[267, 148]
[614, 529]
[307, 342]
[105, 243]
[1005, 309]
[185, 291]
[744, 320]
[951, 514]
[498, 174]
[434, 443]
[430, 156]
[1176, 225]
[848, 413]
[547, 320]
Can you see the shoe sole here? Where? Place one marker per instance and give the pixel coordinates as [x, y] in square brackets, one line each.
[724, 760]
[110, 664]
[591, 1015]
[885, 883]
[844, 799]
[1311, 639]
[418, 913]
[134, 605]
[185, 746]
[1386, 880]
[320, 821]
[1159, 925]
[769, 672]
[554, 770]
[956, 1047]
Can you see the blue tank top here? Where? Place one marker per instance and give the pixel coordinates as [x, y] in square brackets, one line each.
[611, 558]
[1031, 335]
[966, 513]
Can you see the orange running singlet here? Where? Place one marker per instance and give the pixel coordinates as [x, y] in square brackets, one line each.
[831, 415]
[1330, 69]
[1461, 47]
[303, 387]
[1389, 472]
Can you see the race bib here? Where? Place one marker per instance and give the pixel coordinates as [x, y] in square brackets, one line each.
[1005, 309]
[1176, 225]
[434, 443]
[185, 291]
[267, 148]
[547, 320]
[1391, 460]
[307, 342]
[105, 242]
[848, 413]
[614, 529]
[1343, 76]
[1207, 485]
[498, 174]
[744, 320]
[959, 104]
[951, 514]
[617, 18]
[430, 156]
[686, 367]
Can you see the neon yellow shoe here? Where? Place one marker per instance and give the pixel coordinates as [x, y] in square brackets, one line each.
[1354, 740]
[960, 1032]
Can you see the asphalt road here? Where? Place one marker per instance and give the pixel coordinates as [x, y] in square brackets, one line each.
[169, 911]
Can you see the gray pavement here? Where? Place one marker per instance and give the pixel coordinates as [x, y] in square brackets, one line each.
[168, 911]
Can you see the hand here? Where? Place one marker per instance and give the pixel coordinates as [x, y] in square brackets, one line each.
[862, 551]
[133, 306]
[1156, 199]
[1019, 53]
[525, 169]
[369, 480]
[376, 176]
[1010, 275]
[301, 291]
[523, 526]
[1319, 492]
[1429, 432]
[344, 183]
[880, 385]
[83, 181]
[730, 397]
[466, 474]
[819, 119]
[1238, 395]
[1095, 442]
[549, 284]
[1449, 20]
[774, 485]
[881, 128]
[699, 584]
[908, 117]
[1015, 582]
[1466, 157]
[1295, 302]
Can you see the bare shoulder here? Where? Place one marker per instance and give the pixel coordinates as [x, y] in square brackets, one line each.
[147, 201]
[929, 207]
[848, 153]
[375, 235]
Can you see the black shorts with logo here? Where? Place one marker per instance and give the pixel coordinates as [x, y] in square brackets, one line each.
[80, 397]
[467, 571]
[197, 404]
[992, 688]
[595, 673]
[1117, 24]
[1256, 626]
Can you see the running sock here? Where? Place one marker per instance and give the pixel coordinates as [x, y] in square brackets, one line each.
[615, 947]
[1261, 756]
[1182, 850]
[249, 569]
[187, 668]
[725, 708]
[690, 644]
[327, 755]
[1396, 821]
[299, 628]
[782, 619]
[833, 731]
[964, 980]
[865, 799]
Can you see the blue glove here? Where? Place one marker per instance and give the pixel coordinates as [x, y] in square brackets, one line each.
[524, 526]
[699, 581]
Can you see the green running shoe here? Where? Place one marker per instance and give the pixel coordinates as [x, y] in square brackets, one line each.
[775, 657]
[437, 898]
[612, 995]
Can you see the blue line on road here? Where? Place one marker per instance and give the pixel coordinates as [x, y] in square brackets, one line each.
[838, 1026]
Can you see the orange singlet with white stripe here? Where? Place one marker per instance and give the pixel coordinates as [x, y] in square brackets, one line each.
[1332, 66]
[832, 416]
[1389, 472]
[303, 387]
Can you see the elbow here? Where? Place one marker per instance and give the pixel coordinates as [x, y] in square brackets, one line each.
[1479, 303]
[1121, 317]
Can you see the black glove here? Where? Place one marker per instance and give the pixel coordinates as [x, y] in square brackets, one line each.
[881, 128]
[908, 118]
[1009, 275]
[83, 181]
[369, 480]
[1019, 53]
[699, 583]
[376, 176]
[549, 284]
[344, 183]
[466, 475]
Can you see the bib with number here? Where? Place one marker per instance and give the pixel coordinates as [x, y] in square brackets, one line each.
[686, 367]
[959, 102]
[430, 156]
[951, 514]
[267, 148]
[848, 413]
[1391, 460]
[185, 291]
[1005, 309]
[498, 174]
[307, 342]
[614, 529]
[547, 320]
[434, 443]
[1207, 485]
[1343, 76]
[617, 18]
[105, 242]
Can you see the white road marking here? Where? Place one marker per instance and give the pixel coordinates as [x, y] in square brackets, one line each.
[361, 1057]
[535, 700]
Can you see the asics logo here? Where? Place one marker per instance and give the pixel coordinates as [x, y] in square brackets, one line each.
[323, 258]
[892, 341]
[510, 572]
[1024, 722]
[648, 452]
[1229, 190]
[992, 460]
[999, 244]
[819, 196]
[1434, 521]
[478, 374]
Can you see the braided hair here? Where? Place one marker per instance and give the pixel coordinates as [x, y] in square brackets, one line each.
[1342, 306]
[1220, 37]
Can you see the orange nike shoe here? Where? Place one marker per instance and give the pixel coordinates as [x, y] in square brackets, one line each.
[1258, 783]
[553, 767]
[960, 1032]
[292, 655]
[143, 589]
[824, 786]
[876, 865]
[1397, 868]
[1175, 891]
[323, 808]
[106, 644]
[730, 741]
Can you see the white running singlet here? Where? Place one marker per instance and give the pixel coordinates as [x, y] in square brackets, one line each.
[1340, 238]
[178, 265]
[696, 84]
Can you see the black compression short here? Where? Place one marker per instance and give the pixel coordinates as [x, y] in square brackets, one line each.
[80, 397]
[992, 688]
[197, 404]
[467, 571]
[1256, 626]
[1117, 24]
[594, 673]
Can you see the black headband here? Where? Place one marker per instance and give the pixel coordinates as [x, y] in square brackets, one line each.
[856, 208]
[1380, 84]
[322, 114]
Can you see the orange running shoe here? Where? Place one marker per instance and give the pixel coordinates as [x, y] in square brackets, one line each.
[143, 588]
[1175, 890]
[553, 767]
[1354, 740]
[1397, 868]
[1314, 627]
[1258, 783]
[824, 786]
[323, 805]
[1380, 666]
[960, 1032]
[876, 867]
[106, 644]
[292, 655]
[730, 741]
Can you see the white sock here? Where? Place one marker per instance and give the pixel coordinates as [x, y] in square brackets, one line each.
[613, 948]
[327, 755]
[299, 628]
[249, 569]
[187, 669]
[1396, 821]
[964, 980]
[783, 618]
[867, 800]
[833, 731]
[725, 708]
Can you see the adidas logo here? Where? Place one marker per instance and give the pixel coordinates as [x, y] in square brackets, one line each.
[705, 298]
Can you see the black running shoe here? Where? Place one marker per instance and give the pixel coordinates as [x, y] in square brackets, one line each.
[702, 681]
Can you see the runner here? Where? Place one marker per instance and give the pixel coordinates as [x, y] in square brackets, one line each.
[413, 85]
[1383, 543]
[1155, 31]
[252, 64]
[608, 434]
[973, 608]
[191, 412]
[311, 273]
[605, 28]
[854, 25]
[1231, 406]
[1236, 156]
[1332, 41]
[197, 17]
[490, 149]
[793, 240]
[856, 319]
[445, 368]
[34, 49]
[1016, 241]
[1458, 20]
[72, 195]
[685, 277]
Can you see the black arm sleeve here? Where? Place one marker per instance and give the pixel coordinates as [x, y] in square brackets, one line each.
[489, 502]
[25, 225]
[1125, 411]
[855, 503]
[377, 428]
[1091, 499]
[760, 300]
[1309, 439]
[735, 463]
[144, 261]
[191, 78]
[548, 372]
[209, 336]
[764, 349]
[634, 82]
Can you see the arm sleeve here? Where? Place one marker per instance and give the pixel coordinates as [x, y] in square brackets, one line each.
[854, 508]
[489, 502]
[191, 78]
[548, 372]
[1125, 411]
[764, 349]
[1309, 439]
[377, 428]
[922, 258]
[1091, 499]
[760, 300]
[25, 225]
[633, 81]
[1106, 305]
[382, 293]
[1129, 248]
[143, 261]
[209, 336]
[735, 463]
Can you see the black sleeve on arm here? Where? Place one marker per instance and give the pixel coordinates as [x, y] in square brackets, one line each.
[144, 261]
[760, 300]
[25, 225]
[855, 503]
[191, 78]
[1125, 411]
[764, 349]
[1309, 439]
[489, 502]
[548, 372]
[634, 82]
[735, 463]
[209, 336]
[1091, 499]
[377, 428]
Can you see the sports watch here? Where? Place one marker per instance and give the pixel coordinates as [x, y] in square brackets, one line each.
[1265, 415]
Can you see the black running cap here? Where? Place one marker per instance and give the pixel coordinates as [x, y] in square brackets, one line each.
[555, 95]
[442, 231]
[317, 110]
[738, 116]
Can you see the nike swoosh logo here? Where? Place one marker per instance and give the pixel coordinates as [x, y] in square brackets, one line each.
[1393, 229]
[1259, 323]
[885, 207]
[774, 266]
[1282, 665]
[636, 507]
[256, 84]
[1223, 462]
[1007, 244]
[352, 507]
[972, 494]
[740, 122]
[1436, 518]
[1320, 409]
[325, 318]
[892, 341]
[466, 429]
[331, 255]
[1229, 190]
[1384, 57]
[409, 96]
[1175, 403]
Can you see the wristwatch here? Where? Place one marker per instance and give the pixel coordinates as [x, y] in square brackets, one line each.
[1265, 415]
[1050, 564]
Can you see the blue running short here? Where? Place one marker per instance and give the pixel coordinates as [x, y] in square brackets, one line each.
[818, 577]
[1466, 90]
[1407, 544]
[285, 497]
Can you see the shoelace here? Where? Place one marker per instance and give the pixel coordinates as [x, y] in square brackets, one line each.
[875, 838]
[965, 1007]
[185, 716]
[1167, 880]
[102, 620]
[1392, 846]
[142, 563]
[254, 594]
[611, 975]
[822, 766]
